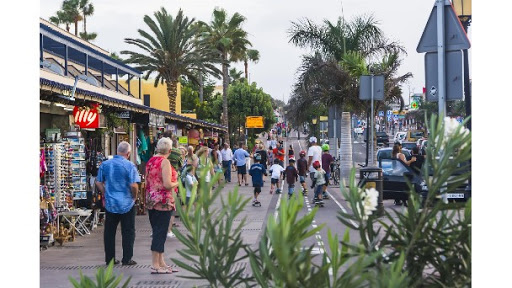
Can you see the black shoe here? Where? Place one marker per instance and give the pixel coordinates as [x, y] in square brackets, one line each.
[129, 263]
[116, 262]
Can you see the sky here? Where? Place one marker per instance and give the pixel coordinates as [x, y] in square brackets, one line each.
[267, 24]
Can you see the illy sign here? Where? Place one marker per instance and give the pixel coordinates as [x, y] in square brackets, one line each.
[86, 117]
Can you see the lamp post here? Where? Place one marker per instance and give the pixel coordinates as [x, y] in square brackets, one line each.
[463, 10]
[314, 121]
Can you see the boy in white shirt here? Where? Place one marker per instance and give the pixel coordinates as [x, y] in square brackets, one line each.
[190, 183]
[276, 171]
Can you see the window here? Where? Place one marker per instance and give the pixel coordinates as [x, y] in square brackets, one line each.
[392, 167]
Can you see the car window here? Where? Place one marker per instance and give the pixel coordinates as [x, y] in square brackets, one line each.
[392, 167]
[384, 154]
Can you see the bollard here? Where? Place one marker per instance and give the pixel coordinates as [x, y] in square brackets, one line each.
[373, 179]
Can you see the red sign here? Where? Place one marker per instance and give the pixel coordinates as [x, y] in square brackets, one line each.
[86, 117]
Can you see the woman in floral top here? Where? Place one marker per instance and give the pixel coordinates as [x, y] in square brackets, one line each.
[161, 180]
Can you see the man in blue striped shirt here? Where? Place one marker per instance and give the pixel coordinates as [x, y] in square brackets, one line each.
[117, 181]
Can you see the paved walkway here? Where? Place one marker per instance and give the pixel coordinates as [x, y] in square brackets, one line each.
[86, 253]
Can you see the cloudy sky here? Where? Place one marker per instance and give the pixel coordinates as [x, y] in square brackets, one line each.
[267, 24]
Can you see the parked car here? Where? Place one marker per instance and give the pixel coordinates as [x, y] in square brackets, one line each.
[385, 153]
[395, 175]
[408, 145]
[399, 136]
[414, 135]
[382, 138]
[359, 130]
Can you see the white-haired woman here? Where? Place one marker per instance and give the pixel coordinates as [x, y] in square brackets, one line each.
[161, 179]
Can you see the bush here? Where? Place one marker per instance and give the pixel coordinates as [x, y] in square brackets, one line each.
[105, 279]
[425, 245]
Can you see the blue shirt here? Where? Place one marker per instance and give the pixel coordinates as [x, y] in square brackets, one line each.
[118, 174]
[257, 172]
[239, 156]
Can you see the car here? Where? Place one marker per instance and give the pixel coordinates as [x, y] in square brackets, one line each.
[359, 130]
[395, 176]
[382, 138]
[385, 153]
[414, 135]
[399, 136]
[408, 145]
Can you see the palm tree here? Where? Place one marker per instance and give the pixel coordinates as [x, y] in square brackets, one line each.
[252, 55]
[87, 10]
[72, 9]
[61, 18]
[88, 36]
[170, 50]
[228, 37]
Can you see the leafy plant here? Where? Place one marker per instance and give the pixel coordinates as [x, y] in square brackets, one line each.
[104, 279]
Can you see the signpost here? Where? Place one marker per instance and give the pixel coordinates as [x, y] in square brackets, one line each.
[442, 33]
[371, 88]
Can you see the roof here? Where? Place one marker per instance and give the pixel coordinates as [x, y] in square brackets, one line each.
[56, 41]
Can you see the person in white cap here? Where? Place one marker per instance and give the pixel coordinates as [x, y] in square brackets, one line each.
[314, 154]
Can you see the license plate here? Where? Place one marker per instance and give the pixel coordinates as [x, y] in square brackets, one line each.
[455, 195]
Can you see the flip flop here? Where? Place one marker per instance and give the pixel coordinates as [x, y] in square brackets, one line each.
[172, 269]
[161, 270]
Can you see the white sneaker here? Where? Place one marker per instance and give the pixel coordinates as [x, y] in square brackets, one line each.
[170, 235]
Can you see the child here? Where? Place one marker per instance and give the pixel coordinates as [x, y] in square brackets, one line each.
[291, 176]
[320, 181]
[276, 171]
[302, 167]
[190, 182]
[291, 152]
[257, 171]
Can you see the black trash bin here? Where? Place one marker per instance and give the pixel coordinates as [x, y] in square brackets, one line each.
[371, 177]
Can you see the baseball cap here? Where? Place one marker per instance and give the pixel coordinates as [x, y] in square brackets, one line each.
[312, 139]
[316, 164]
[291, 159]
[302, 153]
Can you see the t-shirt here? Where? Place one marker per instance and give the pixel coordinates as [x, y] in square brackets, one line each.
[190, 180]
[239, 156]
[302, 166]
[257, 171]
[276, 155]
[263, 154]
[316, 152]
[291, 175]
[327, 159]
[276, 171]
[319, 177]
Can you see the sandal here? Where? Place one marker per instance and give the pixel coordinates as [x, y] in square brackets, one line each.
[161, 270]
[172, 269]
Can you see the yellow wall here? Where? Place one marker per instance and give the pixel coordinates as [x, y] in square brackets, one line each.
[159, 99]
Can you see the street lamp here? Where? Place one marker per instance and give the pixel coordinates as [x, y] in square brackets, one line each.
[314, 120]
[463, 10]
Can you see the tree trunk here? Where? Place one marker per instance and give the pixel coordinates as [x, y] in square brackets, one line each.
[85, 25]
[225, 95]
[172, 90]
[67, 27]
[76, 28]
[201, 86]
[246, 65]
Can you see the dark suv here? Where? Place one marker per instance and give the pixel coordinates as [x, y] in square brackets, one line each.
[382, 138]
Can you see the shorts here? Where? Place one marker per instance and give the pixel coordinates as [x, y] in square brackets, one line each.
[242, 169]
[302, 179]
[274, 180]
[291, 189]
[257, 189]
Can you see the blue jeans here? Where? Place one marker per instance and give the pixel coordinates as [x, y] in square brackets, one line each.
[291, 189]
[318, 190]
[226, 165]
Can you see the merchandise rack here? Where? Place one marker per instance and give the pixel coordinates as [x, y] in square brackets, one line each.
[78, 168]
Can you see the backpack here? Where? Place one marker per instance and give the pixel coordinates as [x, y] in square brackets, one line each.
[183, 174]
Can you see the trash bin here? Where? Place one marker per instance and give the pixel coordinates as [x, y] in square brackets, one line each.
[371, 177]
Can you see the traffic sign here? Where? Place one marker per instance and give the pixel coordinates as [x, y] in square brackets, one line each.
[381, 113]
[389, 112]
[365, 87]
[455, 37]
[454, 76]
[254, 122]
[414, 105]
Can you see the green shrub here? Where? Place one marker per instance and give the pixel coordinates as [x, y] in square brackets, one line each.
[104, 279]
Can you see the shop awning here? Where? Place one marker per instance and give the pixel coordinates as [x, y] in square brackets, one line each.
[58, 88]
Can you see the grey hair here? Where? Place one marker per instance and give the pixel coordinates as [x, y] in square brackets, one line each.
[124, 148]
[164, 145]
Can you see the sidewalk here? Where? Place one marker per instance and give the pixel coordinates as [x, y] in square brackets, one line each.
[87, 253]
